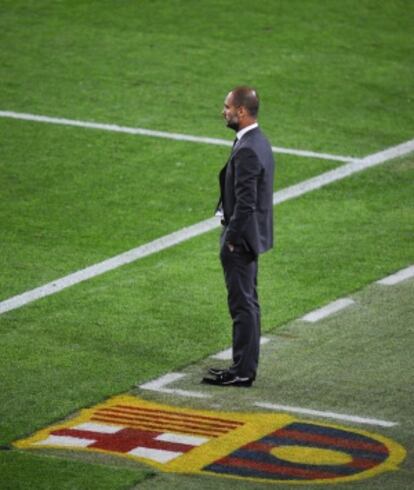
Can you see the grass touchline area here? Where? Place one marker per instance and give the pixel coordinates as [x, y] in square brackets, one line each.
[199, 228]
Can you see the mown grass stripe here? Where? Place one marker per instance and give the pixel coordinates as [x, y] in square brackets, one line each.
[186, 233]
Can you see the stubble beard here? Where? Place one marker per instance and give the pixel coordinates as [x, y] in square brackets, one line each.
[233, 124]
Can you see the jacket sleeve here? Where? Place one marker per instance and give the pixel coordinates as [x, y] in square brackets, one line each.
[247, 170]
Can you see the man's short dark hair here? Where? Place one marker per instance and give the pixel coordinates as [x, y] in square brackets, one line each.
[248, 98]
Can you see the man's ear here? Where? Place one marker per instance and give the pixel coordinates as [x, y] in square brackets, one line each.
[241, 111]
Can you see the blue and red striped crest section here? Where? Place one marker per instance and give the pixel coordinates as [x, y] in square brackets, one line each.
[261, 447]
[259, 459]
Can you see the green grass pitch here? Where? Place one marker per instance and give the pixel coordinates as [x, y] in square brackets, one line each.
[334, 77]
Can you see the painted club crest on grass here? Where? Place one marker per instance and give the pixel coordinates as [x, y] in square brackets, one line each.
[261, 447]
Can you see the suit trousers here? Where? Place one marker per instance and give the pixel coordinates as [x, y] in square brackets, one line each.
[240, 273]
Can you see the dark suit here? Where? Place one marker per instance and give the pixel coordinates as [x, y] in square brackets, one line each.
[246, 197]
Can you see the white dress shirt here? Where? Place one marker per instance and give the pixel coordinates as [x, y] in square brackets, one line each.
[243, 131]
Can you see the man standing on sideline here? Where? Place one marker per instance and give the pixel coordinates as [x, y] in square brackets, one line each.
[246, 203]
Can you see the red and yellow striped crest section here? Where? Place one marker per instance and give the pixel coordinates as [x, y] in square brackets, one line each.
[156, 419]
[260, 447]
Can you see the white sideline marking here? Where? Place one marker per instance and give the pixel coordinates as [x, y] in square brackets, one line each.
[199, 228]
[160, 383]
[330, 415]
[227, 355]
[109, 264]
[328, 310]
[160, 134]
[399, 276]
[343, 171]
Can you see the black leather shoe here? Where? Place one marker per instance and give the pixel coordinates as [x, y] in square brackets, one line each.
[228, 379]
[221, 371]
[217, 371]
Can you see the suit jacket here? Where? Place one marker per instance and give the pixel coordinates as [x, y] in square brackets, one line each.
[246, 193]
